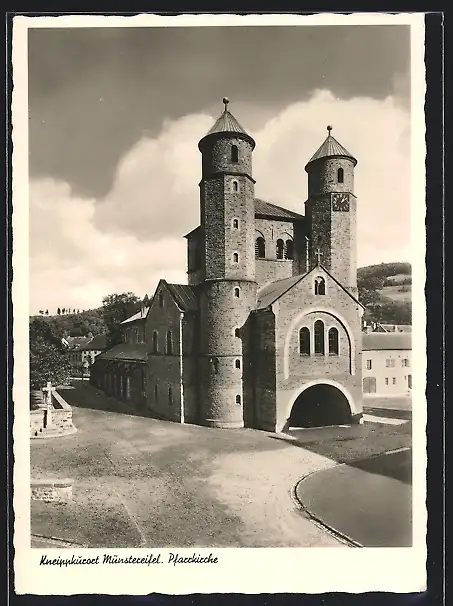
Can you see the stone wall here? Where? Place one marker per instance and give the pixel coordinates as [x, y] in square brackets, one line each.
[61, 417]
[51, 491]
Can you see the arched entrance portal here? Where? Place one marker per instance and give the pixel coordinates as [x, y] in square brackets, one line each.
[320, 405]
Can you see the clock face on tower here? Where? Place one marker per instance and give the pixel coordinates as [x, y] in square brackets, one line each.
[340, 202]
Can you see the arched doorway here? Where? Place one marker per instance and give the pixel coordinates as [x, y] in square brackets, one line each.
[320, 405]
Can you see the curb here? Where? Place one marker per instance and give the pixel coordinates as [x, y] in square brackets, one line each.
[341, 537]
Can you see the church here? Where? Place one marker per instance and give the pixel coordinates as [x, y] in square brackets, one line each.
[267, 332]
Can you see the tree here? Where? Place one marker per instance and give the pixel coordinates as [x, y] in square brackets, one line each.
[115, 309]
[63, 311]
[58, 311]
[146, 301]
[48, 360]
[47, 312]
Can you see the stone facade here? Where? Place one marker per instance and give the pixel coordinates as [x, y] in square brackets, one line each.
[270, 312]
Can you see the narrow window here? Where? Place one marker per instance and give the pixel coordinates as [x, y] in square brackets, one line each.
[161, 300]
[320, 286]
[333, 342]
[340, 175]
[169, 343]
[234, 186]
[368, 364]
[155, 343]
[289, 249]
[170, 396]
[236, 292]
[235, 223]
[238, 400]
[234, 153]
[235, 258]
[156, 394]
[319, 337]
[304, 341]
[386, 381]
[237, 332]
[280, 249]
[394, 381]
[260, 248]
[409, 381]
[237, 364]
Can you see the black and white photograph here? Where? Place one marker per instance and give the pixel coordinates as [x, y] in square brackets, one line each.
[219, 302]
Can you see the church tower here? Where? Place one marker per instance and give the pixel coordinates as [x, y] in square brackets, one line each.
[331, 209]
[227, 292]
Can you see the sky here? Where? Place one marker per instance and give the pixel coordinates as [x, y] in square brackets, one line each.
[115, 116]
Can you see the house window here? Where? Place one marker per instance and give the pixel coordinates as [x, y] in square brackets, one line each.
[386, 380]
[238, 400]
[235, 223]
[340, 175]
[237, 292]
[128, 388]
[234, 186]
[260, 248]
[161, 299]
[280, 249]
[234, 153]
[333, 342]
[320, 286]
[409, 381]
[169, 343]
[237, 332]
[319, 337]
[237, 364]
[155, 342]
[368, 364]
[394, 381]
[405, 362]
[390, 363]
[170, 396]
[289, 249]
[156, 393]
[235, 258]
[304, 341]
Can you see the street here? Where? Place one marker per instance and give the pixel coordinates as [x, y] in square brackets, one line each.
[142, 482]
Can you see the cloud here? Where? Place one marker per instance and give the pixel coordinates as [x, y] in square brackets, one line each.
[83, 249]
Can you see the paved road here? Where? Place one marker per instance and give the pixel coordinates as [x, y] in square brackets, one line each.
[377, 490]
[143, 482]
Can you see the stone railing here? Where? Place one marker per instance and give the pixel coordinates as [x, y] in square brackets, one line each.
[58, 422]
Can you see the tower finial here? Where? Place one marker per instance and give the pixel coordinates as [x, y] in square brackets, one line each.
[329, 128]
[225, 102]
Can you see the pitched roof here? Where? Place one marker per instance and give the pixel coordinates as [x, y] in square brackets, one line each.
[184, 296]
[140, 315]
[99, 342]
[397, 327]
[77, 342]
[330, 147]
[386, 340]
[227, 123]
[273, 291]
[126, 351]
[266, 209]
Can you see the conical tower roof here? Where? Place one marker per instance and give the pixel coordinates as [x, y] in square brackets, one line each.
[227, 123]
[330, 147]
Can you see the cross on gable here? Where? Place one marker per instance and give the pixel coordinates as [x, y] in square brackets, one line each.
[318, 255]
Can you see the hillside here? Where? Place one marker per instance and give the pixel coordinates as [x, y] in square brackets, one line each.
[78, 324]
[386, 292]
